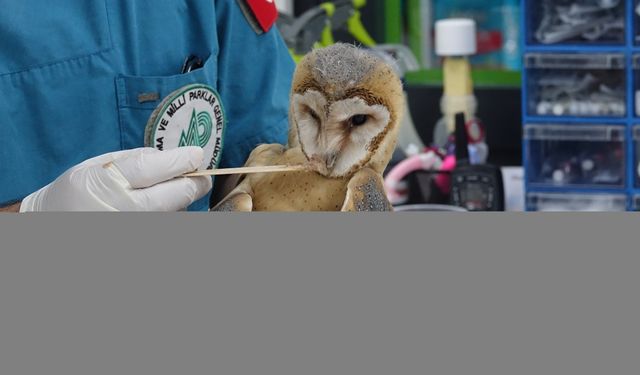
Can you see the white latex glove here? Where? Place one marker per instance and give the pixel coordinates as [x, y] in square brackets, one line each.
[132, 180]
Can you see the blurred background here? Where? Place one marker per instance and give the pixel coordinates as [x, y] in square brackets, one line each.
[497, 65]
[549, 88]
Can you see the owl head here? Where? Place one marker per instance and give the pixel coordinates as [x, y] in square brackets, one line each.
[346, 105]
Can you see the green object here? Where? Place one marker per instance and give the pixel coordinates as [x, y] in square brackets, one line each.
[415, 29]
[296, 57]
[354, 25]
[393, 22]
[329, 7]
[356, 28]
[480, 77]
[359, 3]
[327, 36]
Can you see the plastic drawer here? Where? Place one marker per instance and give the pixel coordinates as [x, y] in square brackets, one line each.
[636, 83]
[636, 151]
[636, 22]
[582, 85]
[552, 22]
[575, 155]
[575, 202]
[636, 202]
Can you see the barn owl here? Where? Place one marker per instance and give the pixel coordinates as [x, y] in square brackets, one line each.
[345, 109]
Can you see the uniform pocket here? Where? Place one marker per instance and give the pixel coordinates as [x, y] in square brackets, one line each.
[37, 33]
[139, 96]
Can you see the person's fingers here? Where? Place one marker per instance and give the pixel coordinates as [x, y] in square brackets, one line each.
[110, 157]
[147, 168]
[173, 195]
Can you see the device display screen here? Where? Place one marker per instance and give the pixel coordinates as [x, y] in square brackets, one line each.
[475, 196]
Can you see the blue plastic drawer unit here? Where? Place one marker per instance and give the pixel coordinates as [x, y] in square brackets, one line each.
[636, 152]
[557, 22]
[575, 202]
[636, 85]
[581, 104]
[636, 22]
[571, 84]
[575, 156]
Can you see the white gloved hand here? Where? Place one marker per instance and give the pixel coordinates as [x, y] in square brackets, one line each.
[142, 179]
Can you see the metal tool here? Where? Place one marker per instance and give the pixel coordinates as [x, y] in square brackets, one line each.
[581, 20]
[315, 27]
[302, 33]
[589, 93]
[577, 155]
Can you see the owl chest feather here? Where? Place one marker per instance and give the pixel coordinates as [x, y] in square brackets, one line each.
[298, 191]
[295, 191]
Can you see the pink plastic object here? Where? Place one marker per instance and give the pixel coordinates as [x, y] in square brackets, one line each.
[443, 180]
[396, 189]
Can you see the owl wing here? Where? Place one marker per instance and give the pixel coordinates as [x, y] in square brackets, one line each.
[236, 201]
[241, 198]
[265, 154]
[365, 192]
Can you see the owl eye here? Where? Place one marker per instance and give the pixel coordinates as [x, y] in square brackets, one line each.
[314, 115]
[358, 120]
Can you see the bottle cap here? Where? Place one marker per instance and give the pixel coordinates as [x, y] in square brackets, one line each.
[456, 37]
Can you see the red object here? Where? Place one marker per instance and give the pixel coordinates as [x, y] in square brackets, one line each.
[265, 12]
[489, 41]
[486, 41]
[475, 131]
[443, 180]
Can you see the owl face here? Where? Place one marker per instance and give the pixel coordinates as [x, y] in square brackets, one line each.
[345, 106]
[338, 136]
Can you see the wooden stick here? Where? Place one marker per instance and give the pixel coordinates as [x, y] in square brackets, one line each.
[246, 170]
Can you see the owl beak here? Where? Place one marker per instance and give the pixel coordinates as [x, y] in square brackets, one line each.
[331, 160]
[323, 164]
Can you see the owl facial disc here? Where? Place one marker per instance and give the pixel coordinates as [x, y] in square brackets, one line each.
[338, 136]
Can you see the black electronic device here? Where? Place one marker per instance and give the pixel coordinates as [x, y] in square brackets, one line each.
[476, 187]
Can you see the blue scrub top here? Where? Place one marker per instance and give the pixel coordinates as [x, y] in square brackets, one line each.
[71, 74]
